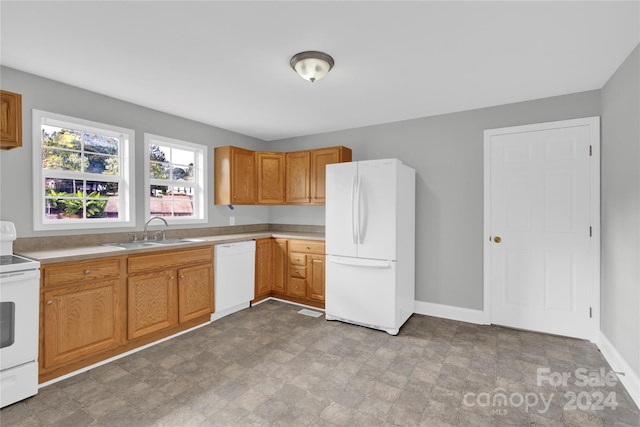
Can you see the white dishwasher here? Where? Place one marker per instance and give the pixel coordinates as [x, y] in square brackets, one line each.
[234, 275]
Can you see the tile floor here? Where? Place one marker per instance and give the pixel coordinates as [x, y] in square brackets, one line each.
[269, 365]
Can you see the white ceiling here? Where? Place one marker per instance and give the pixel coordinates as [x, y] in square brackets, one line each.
[227, 63]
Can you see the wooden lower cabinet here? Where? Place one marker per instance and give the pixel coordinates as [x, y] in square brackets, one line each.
[263, 268]
[315, 277]
[195, 292]
[96, 309]
[152, 303]
[82, 314]
[81, 321]
[166, 289]
[298, 271]
[280, 265]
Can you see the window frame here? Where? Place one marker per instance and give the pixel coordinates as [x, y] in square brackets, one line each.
[200, 199]
[125, 180]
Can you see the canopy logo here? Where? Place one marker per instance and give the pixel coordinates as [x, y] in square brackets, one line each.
[595, 398]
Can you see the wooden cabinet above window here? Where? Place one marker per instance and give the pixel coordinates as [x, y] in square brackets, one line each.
[244, 177]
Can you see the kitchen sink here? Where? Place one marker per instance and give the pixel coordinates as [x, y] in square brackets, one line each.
[131, 245]
[150, 243]
[176, 241]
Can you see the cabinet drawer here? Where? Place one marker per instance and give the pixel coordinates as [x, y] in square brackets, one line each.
[297, 259]
[297, 287]
[306, 246]
[298, 271]
[169, 259]
[74, 272]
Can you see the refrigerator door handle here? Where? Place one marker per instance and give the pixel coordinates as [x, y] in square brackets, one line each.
[354, 210]
[360, 262]
[362, 210]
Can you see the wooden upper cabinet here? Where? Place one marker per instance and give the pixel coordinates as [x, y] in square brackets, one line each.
[271, 176]
[298, 165]
[235, 176]
[319, 160]
[10, 120]
[245, 177]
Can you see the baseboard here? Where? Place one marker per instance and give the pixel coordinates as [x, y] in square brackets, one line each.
[450, 312]
[630, 379]
[294, 303]
[219, 314]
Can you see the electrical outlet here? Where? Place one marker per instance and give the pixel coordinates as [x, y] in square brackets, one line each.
[232, 220]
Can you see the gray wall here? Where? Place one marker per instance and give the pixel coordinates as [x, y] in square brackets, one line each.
[447, 153]
[620, 281]
[16, 185]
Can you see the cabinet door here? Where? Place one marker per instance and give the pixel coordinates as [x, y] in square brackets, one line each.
[279, 265]
[319, 160]
[81, 321]
[195, 293]
[315, 277]
[10, 120]
[297, 180]
[264, 267]
[271, 173]
[151, 302]
[243, 176]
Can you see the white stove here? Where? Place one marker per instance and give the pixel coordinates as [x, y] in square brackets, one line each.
[19, 303]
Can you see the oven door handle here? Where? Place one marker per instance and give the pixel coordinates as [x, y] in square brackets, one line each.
[16, 276]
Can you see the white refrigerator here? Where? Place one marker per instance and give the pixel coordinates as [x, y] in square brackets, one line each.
[370, 243]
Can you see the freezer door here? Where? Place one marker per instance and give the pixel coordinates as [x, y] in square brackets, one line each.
[340, 214]
[361, 291]
[377, 208]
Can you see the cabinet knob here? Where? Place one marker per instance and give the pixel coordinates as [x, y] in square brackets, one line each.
[49, 302]
[307, 248]
[172, 277]
[87, 271]
[497, 239]
[182, 276]
[234, 196]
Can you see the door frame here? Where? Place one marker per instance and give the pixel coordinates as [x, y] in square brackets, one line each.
[594, 291]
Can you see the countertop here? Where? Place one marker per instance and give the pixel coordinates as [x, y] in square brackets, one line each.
[50, 256]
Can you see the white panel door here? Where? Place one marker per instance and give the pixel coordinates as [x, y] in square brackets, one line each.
[541, 255]
[377, 208]
[340, 214]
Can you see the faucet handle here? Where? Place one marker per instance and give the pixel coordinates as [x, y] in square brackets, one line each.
[134, 236]
[160, 232]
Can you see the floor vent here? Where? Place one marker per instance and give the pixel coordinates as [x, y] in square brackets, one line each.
[310, 313]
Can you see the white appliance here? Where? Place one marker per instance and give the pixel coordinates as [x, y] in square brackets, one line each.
[234, 277]
[370, 243]
[19, 302]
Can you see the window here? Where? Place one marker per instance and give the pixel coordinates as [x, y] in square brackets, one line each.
[174, 180]
[82, 173]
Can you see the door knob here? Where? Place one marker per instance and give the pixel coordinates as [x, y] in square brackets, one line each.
[497, 239]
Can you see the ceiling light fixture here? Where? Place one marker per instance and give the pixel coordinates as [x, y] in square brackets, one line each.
[312, 65]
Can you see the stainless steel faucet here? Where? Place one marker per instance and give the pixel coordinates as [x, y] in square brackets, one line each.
[145, 235]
